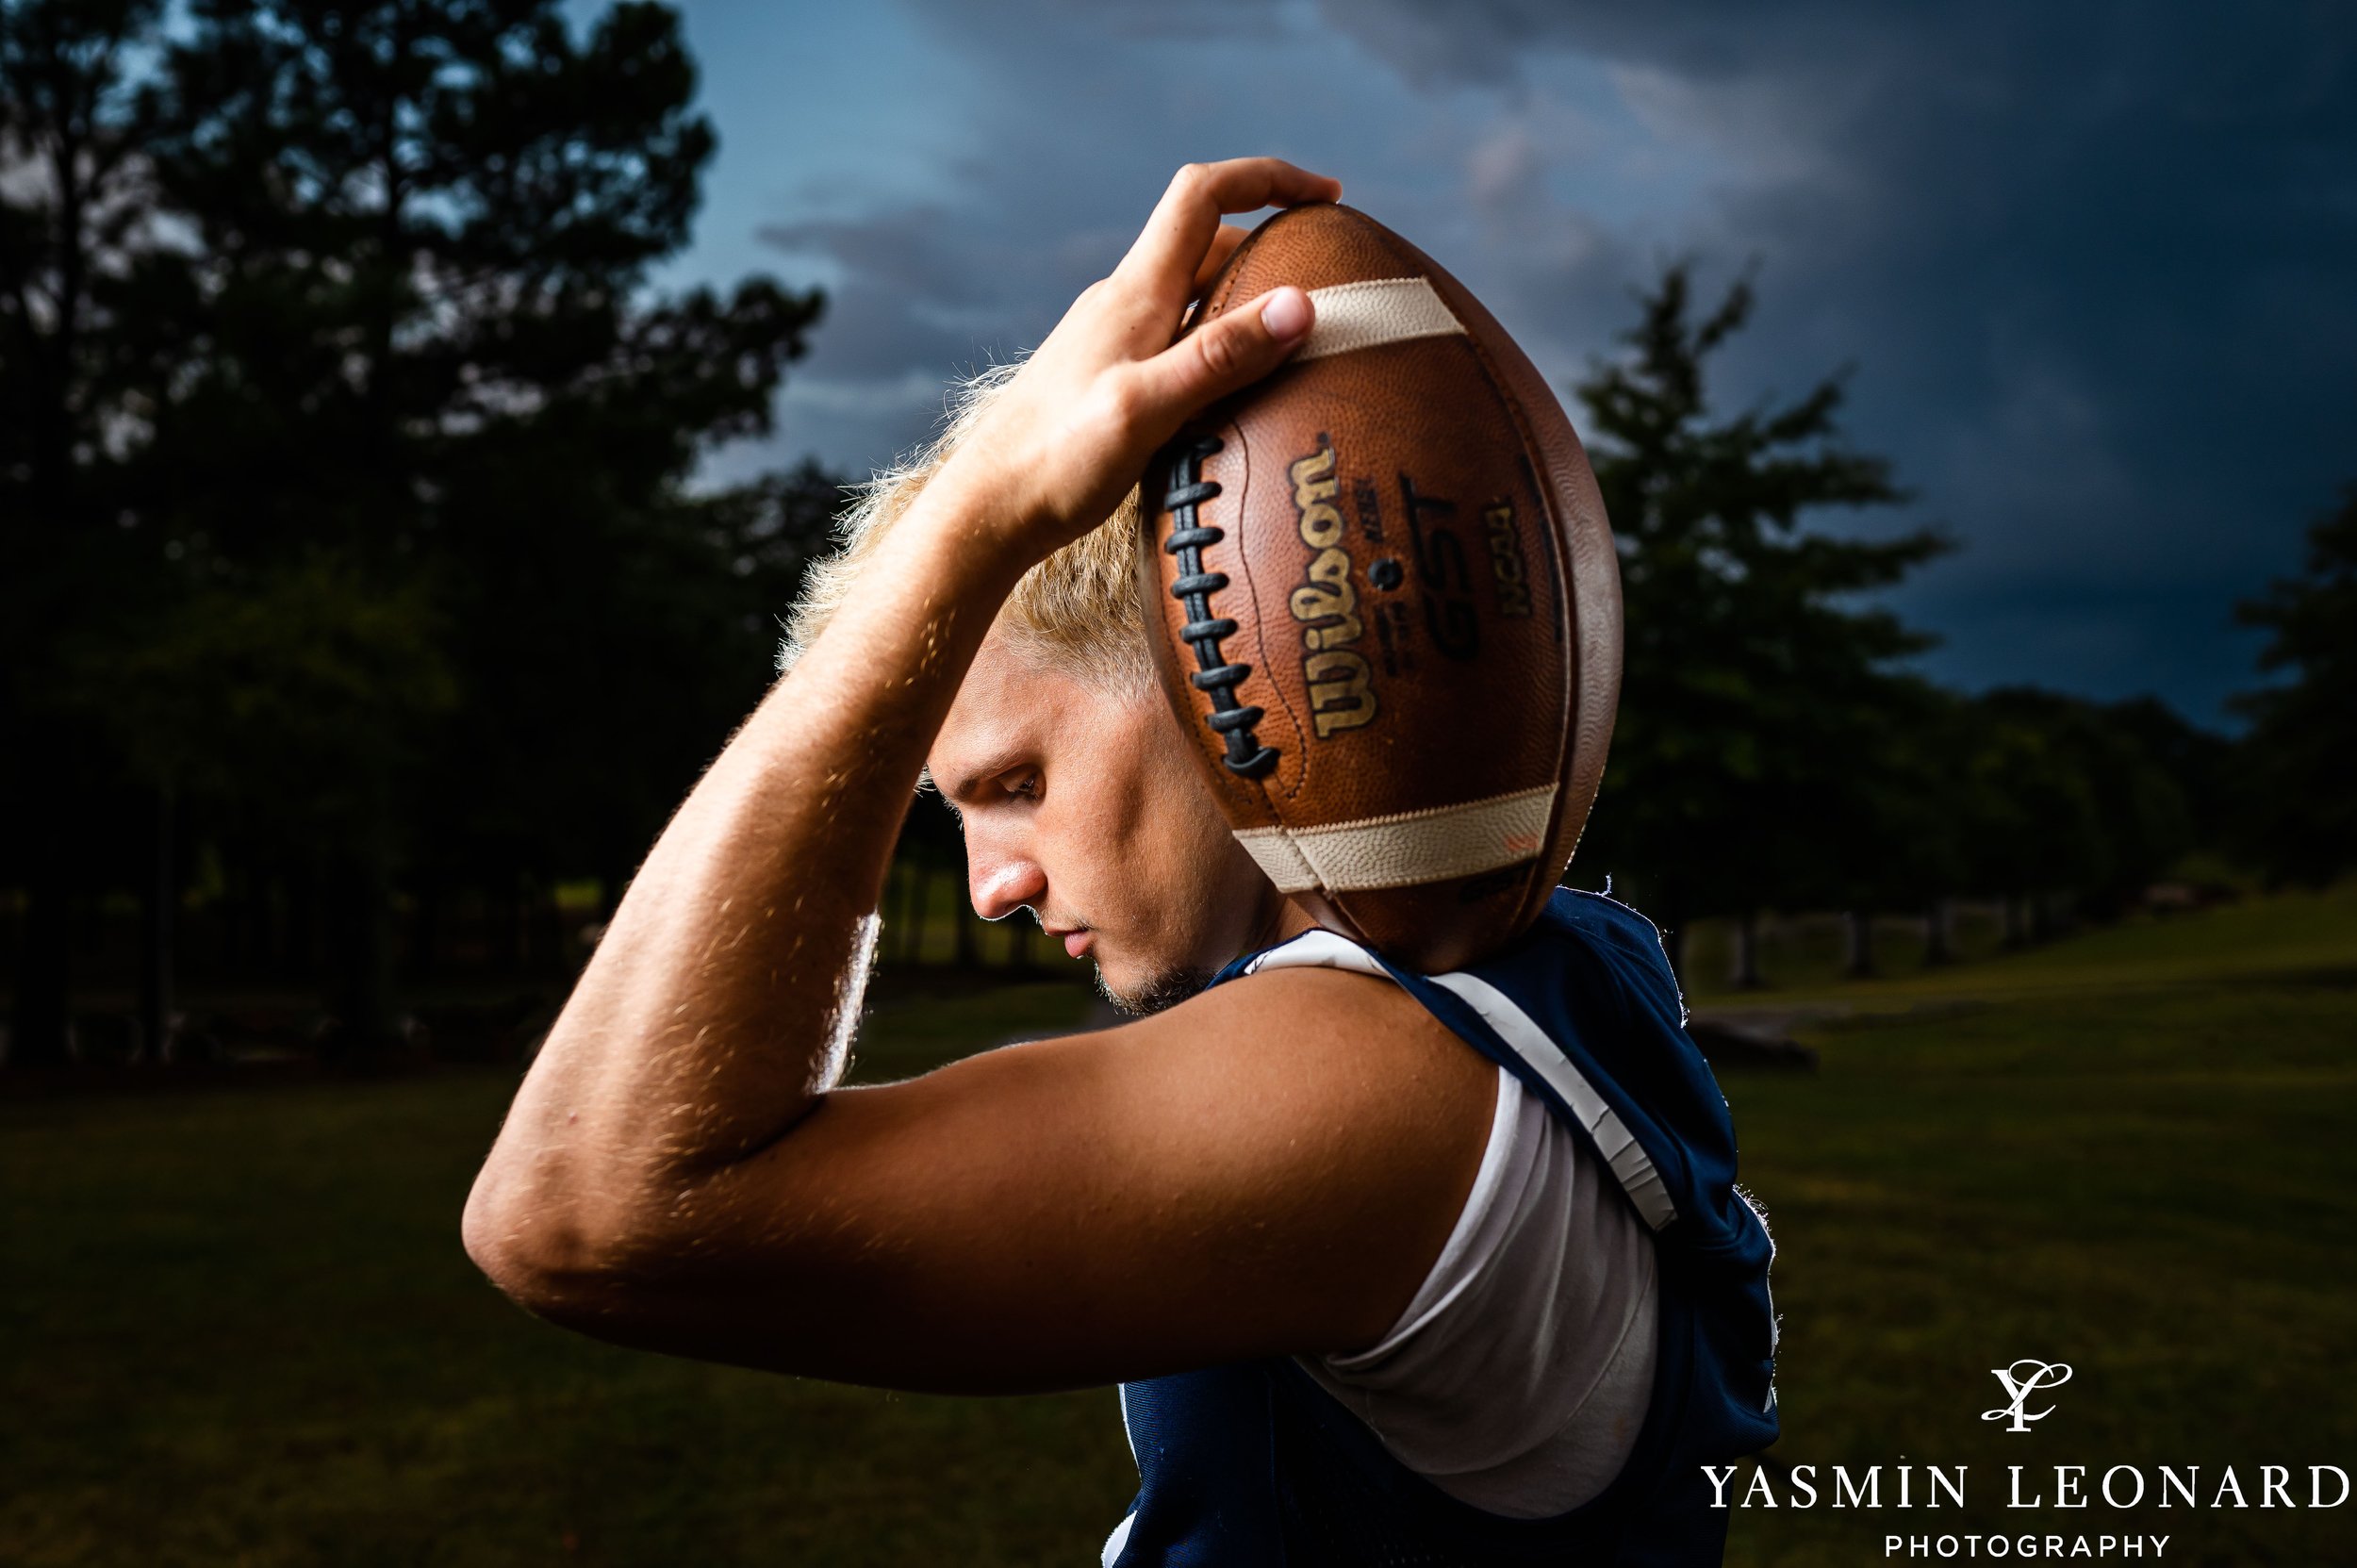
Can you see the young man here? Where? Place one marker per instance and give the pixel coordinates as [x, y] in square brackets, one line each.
[1374, 1296]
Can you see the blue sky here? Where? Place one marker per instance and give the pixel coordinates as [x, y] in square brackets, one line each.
[2094, 268]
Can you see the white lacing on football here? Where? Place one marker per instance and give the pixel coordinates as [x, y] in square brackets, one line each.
[1368, 315]
[1405, 849]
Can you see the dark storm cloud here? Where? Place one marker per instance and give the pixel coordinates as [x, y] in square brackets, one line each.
[922, 282]
[1077, 119]
[2096, 270]
[918, 294]
[2099, 269]
[1074, 127]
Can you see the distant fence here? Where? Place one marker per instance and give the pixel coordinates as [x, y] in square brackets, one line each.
[481, 977]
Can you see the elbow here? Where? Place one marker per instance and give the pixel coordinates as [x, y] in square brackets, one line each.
[513, 1246]
[538, 1249]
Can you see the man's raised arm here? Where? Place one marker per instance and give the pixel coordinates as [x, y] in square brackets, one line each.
[718, 1007]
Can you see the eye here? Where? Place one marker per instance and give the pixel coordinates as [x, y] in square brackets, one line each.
[1021, 782]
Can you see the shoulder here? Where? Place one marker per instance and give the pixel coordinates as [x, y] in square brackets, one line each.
[1311, 1044]
[1321, 1104]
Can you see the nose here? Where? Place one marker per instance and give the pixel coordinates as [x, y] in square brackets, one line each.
[1000, 877]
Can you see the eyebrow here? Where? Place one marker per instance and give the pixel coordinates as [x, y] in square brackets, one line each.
[993, 764]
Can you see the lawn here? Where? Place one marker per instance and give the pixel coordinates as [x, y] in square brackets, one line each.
[2130, 1153]
[237, 1328]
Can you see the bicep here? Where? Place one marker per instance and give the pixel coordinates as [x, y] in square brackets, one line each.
[1195, 1188]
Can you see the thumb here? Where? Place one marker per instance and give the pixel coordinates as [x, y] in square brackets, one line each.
[1231, 351]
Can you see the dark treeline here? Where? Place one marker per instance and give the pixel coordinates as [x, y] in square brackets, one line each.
[1774, 752]
[343, 456]
[355, 595]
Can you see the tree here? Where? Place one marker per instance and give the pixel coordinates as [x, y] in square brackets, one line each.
[75, 238]
[1886, 828]
[1756, 692]
[2299, 808]
[428, 375]
[2055, 795]
[2200, 763]
[648, 636]
[348, 451]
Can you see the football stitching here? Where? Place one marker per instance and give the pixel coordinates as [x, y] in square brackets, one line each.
[1231, 720]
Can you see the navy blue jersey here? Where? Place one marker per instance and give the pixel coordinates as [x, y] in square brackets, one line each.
[1255, 1464]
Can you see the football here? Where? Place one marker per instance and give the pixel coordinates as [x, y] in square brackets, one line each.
[1387, 602]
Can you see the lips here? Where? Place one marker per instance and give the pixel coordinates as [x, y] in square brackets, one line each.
[1077, 940]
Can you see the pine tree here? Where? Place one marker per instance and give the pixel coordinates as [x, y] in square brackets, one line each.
[1759, 708]
[433, 397]
[359, 479]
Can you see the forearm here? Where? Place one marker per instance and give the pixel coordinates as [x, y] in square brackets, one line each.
[717, 1002]
[702, 1029]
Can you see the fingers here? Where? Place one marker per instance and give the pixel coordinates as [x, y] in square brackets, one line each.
[1229, 353]
[1224, 245]
[1186, 221]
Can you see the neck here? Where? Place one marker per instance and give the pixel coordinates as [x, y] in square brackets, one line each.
[1280, 918]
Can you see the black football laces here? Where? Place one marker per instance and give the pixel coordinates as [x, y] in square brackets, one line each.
[1231, 720]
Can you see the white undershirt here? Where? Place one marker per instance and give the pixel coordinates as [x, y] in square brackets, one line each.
[1518, 1376]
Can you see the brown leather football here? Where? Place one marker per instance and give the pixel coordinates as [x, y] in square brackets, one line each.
[1390, 605]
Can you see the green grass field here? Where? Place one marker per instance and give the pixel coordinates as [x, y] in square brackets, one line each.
[238, 1328]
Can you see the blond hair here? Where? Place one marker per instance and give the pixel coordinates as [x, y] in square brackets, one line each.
[1078, 609]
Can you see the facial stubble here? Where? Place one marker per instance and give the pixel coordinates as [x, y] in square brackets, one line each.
[1160, 994]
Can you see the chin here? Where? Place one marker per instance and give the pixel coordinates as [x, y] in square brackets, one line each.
[1141, 993]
